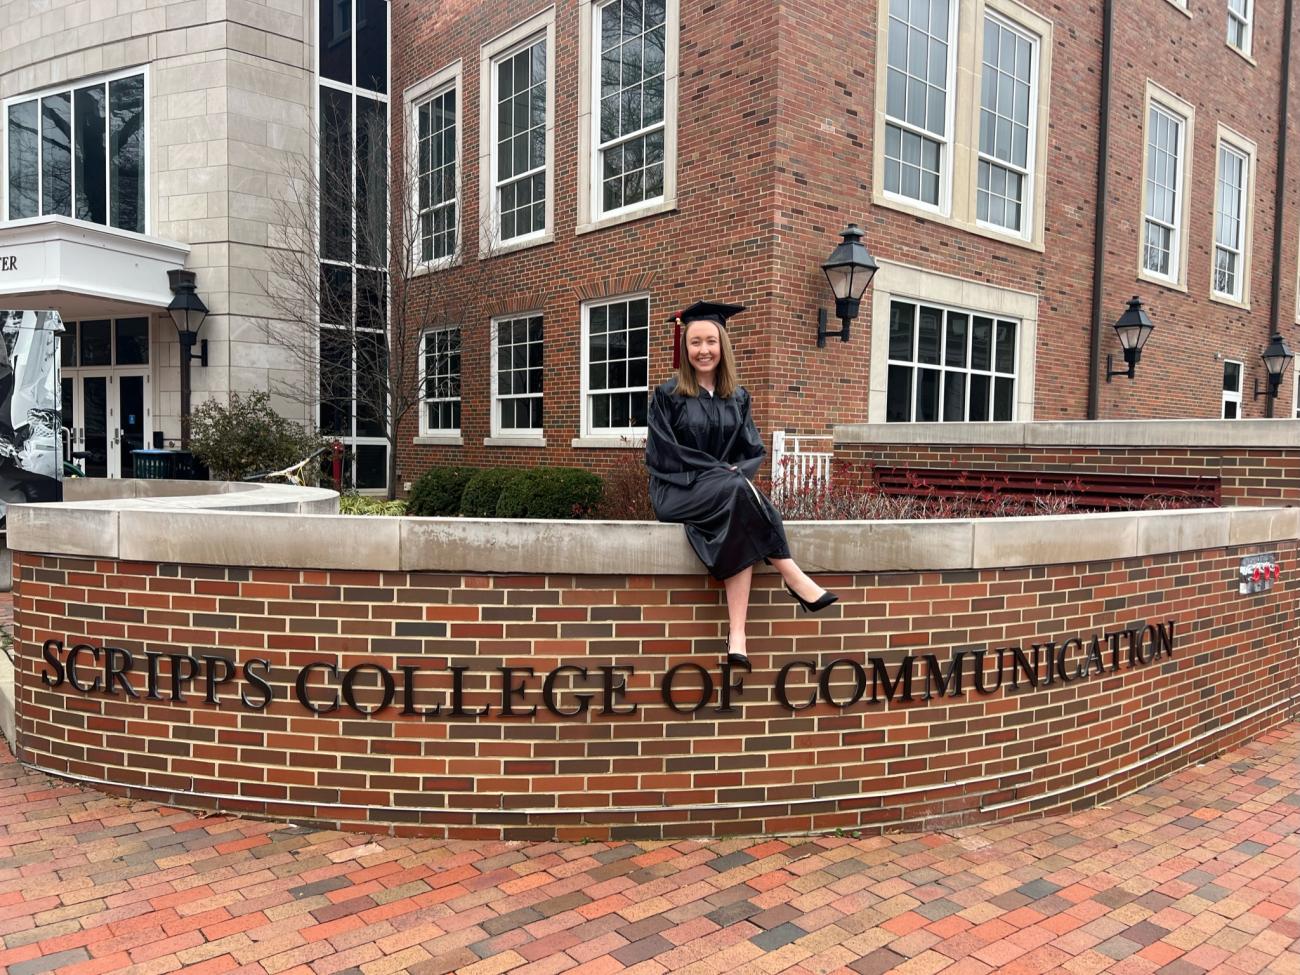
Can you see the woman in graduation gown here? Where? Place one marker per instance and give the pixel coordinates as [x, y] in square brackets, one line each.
[702, 451]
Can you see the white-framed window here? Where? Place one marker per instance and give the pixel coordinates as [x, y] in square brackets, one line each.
[440, 382]
[918, 101]
[630, 115]
[1234, 218]
[1233, 371]
[1165, 171]
[1231, 188]
[516, 136]
[1007, 119]
[627, 97]
[962, 117]
[519, 98]
[517, 376]
[433, 117]
[80, 152]
[1240, 27]
[352, 159]
[949, 364]
[615, 367]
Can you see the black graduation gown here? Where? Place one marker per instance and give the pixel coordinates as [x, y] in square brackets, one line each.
[702, 453]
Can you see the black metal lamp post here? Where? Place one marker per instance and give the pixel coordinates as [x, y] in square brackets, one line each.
[1277, 356]
[188, 312]
[849, 271]
[1134, 327]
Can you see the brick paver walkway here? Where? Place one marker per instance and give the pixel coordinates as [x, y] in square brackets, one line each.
[1199, 873]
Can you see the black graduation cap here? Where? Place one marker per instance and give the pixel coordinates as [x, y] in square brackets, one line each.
[701, 311]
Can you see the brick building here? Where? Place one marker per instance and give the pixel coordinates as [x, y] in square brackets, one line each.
[585, 168]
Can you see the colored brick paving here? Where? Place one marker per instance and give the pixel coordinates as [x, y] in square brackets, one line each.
[1198, 873]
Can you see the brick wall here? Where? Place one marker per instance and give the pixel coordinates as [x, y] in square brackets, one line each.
[1230, 674]
[776, 136]
[1254, 477]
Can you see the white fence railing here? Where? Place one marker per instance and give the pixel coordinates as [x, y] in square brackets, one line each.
[798, 466]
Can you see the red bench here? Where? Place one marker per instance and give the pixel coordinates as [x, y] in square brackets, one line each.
[1126, 492]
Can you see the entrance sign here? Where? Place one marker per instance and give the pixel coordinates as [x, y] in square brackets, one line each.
[366, 689]
[31, 468]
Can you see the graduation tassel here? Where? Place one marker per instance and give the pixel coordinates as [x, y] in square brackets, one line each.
[677, 343]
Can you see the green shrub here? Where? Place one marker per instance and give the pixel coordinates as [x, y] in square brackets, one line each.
[247, 437]
[549, 492]
[517, 493]
[484, 491]
[438, 491]
[359, 504]
[565, 492]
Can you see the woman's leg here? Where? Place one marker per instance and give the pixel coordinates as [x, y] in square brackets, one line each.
[737, 588]
[797, 579]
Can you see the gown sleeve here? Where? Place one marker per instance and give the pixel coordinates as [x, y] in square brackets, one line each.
[666, 458]
[748, 451]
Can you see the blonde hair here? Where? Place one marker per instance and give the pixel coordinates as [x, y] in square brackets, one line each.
[727, 380]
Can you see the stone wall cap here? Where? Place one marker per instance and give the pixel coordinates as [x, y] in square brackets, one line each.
[1151, 434]
[290, 527]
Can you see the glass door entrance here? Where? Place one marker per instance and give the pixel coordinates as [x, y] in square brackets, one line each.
[107, 397]
[107, 416]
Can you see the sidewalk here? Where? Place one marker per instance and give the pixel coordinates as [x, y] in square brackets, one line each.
[1198, 873]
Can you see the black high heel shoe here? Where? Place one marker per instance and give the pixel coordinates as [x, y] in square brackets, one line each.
[736, 658]
[816, 606]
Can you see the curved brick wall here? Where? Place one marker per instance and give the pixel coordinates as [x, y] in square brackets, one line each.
[593, 609]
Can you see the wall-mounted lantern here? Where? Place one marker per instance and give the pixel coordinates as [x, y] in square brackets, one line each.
[849, 270]
[1277, 355]
[1133, 327]
[188, 312]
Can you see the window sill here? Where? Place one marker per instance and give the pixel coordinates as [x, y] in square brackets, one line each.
[922, 212]
[1180, 7]
[640, 213]
[1220, 299]
[440, 440]
[628, 441]
[498, 249]
[1169, 283]
[1241, 54]
[508, 441]
[432, 267]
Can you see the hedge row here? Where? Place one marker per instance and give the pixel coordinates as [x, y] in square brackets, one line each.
[500, 492]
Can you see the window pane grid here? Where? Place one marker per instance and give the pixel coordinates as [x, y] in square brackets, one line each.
[949, 365]
[437, 176]
[1228, 222]
[440, 377]
[521, 141]
[519, 374]
[631, 111]
[1005, 119]
[79, 153]
[1239, 25]
[1164, 176]
[618, 364]
[916, 98]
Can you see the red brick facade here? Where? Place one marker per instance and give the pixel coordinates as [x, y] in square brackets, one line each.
[776, 135]
[1248, 478]
[1225, 674]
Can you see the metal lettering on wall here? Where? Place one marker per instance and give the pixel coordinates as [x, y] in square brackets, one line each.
[31, 468]
[520, 692]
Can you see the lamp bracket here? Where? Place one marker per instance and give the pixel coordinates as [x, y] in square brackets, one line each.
[1130, 370]
[823, 335]
[188, 341]
[1271, 390]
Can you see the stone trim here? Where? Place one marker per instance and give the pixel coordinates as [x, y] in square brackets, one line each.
[1238, 434]
[279, 527]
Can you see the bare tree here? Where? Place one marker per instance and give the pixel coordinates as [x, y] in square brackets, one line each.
[347, 289]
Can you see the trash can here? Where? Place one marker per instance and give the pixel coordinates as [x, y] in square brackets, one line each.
[150, 464]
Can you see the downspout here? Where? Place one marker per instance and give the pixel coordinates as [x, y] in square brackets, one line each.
[1099, 227]
[1279, 193]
